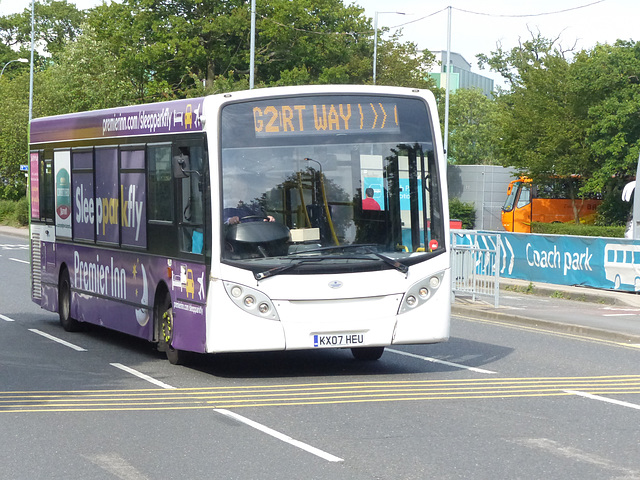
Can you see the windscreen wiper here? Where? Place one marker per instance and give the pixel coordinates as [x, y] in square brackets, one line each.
[283, 268]
[401, 267]
[365, 248]
[330, 248]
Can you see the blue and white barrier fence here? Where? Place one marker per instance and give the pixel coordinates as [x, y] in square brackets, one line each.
[605, 263]
[475, 264]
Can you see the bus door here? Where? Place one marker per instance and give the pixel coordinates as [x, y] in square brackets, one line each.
[517, 212]
[523, 212]
[48, 208]
[46, 270]
[509, 206]
[189, 172]
[176, 179]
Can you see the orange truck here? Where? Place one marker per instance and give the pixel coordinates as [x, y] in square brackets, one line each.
[527, 203]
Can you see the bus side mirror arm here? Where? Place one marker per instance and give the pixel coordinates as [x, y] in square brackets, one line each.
[181, 167]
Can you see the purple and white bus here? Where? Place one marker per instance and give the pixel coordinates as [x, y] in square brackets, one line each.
[271, 219]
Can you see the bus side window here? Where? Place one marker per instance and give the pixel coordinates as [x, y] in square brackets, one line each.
[160, 192]
[512, 193]
[190, 199]
[525, 196]
[47, 198]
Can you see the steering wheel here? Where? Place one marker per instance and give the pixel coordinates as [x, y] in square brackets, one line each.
[253, 217]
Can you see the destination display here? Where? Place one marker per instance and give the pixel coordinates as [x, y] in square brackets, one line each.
[286, 119]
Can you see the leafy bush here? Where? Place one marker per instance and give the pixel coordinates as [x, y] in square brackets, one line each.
[613, 210]
[22, 211]
[466, 212]
[7, 209]
[14, 213]
[581, 229]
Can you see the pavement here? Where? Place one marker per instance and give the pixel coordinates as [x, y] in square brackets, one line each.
[14, 231]
[584, 311]
[606, 314]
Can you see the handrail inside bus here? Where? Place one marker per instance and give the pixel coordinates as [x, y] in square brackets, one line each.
[304, 206]
[326, 203]
[327, 211]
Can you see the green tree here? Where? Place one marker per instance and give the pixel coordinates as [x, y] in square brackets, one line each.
[183, 44]
[56, 22]
[85, 76]
[578, 117]
[14, 119]
[333, 42]
[608, 91]
[473, 129]
[401, 64]
[542, 128]
[173, 49]
[145, 36]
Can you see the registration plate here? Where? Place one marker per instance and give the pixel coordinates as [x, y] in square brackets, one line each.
[338, 340]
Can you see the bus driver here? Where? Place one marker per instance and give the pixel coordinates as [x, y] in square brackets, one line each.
[242, 211]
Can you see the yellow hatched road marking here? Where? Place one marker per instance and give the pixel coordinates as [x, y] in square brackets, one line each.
[313, 394]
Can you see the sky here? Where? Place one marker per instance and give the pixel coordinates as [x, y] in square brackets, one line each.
[478, 25]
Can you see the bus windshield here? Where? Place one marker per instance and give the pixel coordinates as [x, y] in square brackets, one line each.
[349, 180]
[511, 197]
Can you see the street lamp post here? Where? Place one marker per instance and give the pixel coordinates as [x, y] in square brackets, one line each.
[375, 41]
[447, 91]
[33, 43]
[252, 65]
[21, 60]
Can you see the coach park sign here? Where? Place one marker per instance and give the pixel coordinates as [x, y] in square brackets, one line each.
[607, 263]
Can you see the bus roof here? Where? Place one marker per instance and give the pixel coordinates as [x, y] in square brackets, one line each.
[176, 116]
[519, 180]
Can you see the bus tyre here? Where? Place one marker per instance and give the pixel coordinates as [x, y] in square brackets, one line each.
[64, 304]
[367, 353]
[165, 332]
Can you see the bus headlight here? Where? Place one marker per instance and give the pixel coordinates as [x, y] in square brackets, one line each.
[420, 292]
[236, 291]
[251, 300]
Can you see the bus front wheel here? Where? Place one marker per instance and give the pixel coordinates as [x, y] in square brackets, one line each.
[64, 304]
[367, 353]
[164, 316]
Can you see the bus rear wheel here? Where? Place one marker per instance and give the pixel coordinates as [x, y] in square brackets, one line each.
[64, 304]
[164, 316]
[367, 353]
